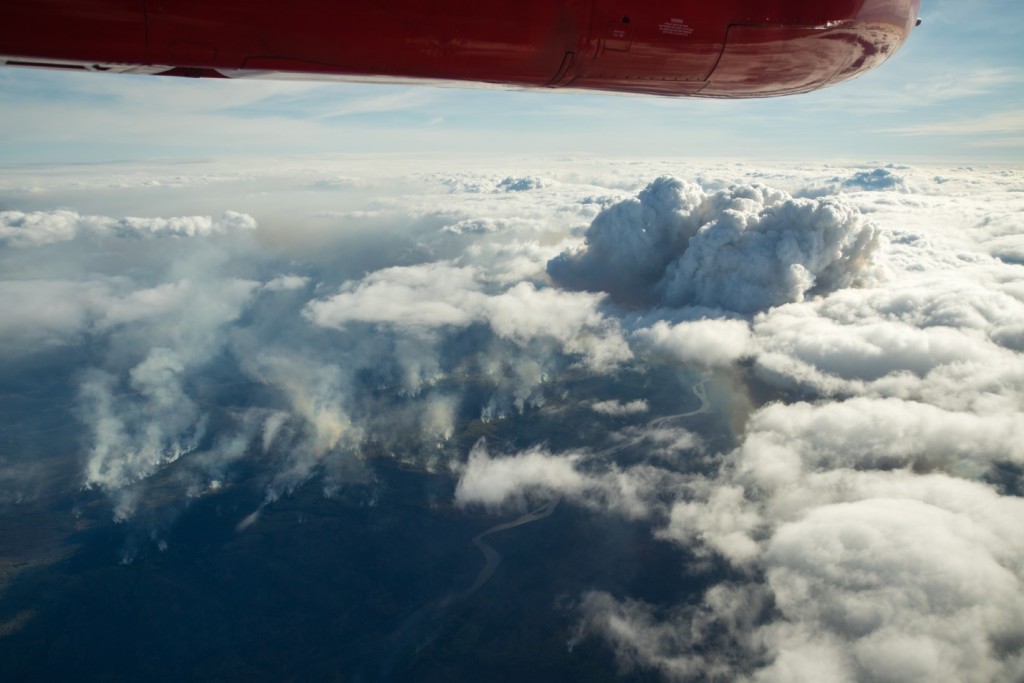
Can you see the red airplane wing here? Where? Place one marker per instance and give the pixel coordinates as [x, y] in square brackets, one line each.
[726, 48]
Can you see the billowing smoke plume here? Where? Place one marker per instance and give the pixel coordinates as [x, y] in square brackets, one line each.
[744, 249]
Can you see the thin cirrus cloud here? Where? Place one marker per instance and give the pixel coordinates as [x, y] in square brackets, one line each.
[997, 123]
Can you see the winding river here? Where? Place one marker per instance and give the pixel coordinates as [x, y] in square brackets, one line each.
[491, 555]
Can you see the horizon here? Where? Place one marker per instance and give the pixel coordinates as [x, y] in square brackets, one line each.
[952, 93]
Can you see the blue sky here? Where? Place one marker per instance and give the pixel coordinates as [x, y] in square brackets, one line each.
[954, 93]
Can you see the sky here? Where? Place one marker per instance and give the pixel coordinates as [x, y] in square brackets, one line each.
[953, 93]
[664, 390]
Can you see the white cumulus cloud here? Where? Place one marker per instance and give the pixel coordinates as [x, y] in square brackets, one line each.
[38, 228]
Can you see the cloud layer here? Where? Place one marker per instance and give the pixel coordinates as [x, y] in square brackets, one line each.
[807, 382]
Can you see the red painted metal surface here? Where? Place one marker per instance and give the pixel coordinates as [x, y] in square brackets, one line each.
[725, 48]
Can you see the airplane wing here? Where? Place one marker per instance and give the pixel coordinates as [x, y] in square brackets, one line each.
[725, 48]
